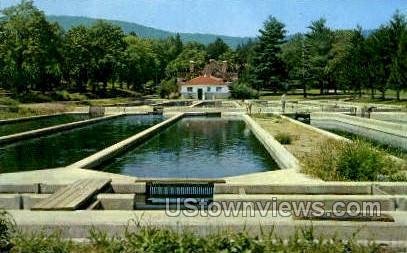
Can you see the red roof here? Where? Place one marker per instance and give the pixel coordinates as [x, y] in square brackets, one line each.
[205, 80]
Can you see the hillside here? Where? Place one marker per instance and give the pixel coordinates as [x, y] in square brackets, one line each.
[147, 32]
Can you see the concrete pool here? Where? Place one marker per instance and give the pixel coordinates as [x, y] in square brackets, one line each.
[63, 148]
[196, 147]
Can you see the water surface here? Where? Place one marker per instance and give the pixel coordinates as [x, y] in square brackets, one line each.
[33, 124]
[67, 147]
[198, 148]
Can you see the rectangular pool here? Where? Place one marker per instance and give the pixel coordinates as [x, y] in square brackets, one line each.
[33, 124]
[67, 147]
[196, 147]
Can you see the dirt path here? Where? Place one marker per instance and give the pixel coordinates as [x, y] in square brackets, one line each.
[304, 141]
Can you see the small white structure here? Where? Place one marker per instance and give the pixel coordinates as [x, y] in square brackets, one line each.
[205, 87]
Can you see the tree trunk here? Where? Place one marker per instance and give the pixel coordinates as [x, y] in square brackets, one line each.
[305, 90]
[398, 94]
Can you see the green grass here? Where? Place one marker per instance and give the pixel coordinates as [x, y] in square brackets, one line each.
[158, 240]
[353, 161]
[398, 152]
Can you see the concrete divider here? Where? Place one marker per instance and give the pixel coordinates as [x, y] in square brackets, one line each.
[29, 200]
[10, 201]
[384, 132]
[341, 188]
[19, 188]
[52, 129]
[117, 201]
[386, 203]
[281, 155]
[8, 121]
[395, 117]
[109, 152]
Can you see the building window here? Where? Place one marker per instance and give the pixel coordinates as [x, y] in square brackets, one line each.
[189, 89]
[208, 89]
[218, 89]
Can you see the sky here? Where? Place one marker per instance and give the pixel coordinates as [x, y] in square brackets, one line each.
[228, 17]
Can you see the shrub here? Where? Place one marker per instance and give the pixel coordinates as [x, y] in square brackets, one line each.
[352, 161]
[283, 138]
[6, 230]
[168, 88]
[242, 91]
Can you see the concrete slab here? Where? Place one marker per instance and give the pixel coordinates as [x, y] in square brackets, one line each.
[10, 201]
[117, 201]
[29, 200]
[279, 176]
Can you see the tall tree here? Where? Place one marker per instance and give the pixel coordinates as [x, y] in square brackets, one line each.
[216, 49]
[319, 44]
[31, 48]
[269, 67]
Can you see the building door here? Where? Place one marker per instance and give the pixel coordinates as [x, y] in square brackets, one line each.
[200, 91]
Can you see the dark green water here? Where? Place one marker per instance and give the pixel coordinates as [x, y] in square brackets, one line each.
[18, 127]
[67, 147]
[196, 148]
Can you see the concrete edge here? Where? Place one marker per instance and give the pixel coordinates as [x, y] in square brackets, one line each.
[8, 121]
[53, 129]
[111, 151]
[280, 154]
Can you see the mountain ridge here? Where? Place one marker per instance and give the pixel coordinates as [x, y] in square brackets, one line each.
[143, 31]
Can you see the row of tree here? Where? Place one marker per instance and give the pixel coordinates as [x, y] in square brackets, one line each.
[38, 55]
[331, 60]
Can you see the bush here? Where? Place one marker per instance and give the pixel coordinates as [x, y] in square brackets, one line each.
[352, 161]
[169, 88]
[64, 95]
[242, 91]
[6, 230]
[283, 138]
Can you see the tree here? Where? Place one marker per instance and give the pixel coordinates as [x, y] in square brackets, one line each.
[268, 66]
[107, 47]
[397, 43]
[318, 45]
[293, 55]
[78, 56]
[216, 49]
[31, 48]
[181, 65]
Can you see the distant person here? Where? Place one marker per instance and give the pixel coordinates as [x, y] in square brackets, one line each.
[283, 102]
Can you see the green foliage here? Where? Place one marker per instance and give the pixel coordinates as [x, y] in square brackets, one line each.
[169, 88]
[283, 138]
[150, 239]
[216, 49]
[353, 161]
[181, 65]
[268, 65]
[7, 229]
[241, 90]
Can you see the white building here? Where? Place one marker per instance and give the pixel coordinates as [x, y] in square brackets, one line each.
[205, 87]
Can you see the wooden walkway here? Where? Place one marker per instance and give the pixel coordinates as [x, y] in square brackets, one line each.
[74, 196]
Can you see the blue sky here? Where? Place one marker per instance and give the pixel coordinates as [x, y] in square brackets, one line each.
[229, 17]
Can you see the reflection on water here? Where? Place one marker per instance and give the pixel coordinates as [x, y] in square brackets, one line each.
[199, 148]
[28, 125]
[67, 147]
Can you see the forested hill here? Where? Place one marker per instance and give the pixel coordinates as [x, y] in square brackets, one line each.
[147, 32]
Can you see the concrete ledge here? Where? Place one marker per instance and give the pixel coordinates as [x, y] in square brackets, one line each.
[19, 188]
[109, 152]
[386, 203]
[117, 201]
[395, 117]
[122, 188]
[10, 201]
[29, 200]
[8, 121]
[381, 131]
[314, 188]
[78, 224]
[53, 129]
[393, 188]
[281, 155]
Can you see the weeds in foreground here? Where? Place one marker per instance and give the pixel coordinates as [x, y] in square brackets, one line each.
[353, 161]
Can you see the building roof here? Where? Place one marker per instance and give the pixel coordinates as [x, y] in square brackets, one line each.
[200, 80]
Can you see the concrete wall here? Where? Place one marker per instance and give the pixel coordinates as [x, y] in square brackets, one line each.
[395, 117]
[381, 131]
[208, 91]
[281, 155]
